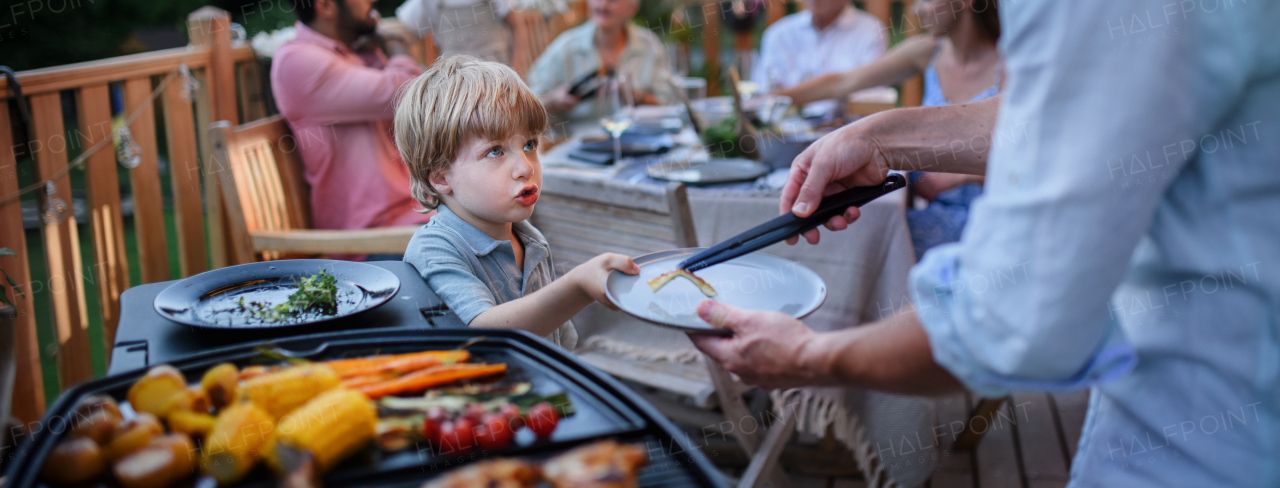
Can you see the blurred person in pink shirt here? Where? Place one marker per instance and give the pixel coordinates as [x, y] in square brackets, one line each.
[336, 85]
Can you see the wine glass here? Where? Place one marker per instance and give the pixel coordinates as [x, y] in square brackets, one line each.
[617, 105]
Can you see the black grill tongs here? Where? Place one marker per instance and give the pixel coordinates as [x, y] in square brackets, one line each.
[788, 225]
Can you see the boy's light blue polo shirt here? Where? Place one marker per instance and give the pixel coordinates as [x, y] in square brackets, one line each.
[473, 272]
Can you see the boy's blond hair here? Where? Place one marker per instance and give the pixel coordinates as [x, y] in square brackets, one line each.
[459, 97]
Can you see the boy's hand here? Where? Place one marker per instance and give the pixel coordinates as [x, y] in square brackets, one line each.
[590, 276]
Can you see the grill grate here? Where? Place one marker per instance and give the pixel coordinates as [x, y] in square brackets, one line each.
[668, 469]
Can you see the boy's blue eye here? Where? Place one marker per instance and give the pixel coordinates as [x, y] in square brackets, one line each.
[494, 152]
[531, 145]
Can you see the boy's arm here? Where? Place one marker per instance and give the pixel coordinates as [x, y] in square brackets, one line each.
[541, 313]
[550, 307]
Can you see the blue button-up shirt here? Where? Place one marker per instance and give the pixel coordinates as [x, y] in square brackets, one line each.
[1129, 236]
[473, 272]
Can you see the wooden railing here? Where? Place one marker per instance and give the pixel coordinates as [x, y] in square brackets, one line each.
[217, 65]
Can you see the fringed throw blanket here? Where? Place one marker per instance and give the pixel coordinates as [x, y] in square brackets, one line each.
[891, 436]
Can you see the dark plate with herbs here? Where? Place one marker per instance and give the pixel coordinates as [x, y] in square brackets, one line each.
[276, 294]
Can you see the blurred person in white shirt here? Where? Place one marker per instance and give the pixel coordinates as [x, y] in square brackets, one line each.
[829, 36]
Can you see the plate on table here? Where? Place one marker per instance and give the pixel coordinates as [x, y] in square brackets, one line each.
[245, 296]
[633, 144]
[712, 172]
[754, 281]
[670, 125]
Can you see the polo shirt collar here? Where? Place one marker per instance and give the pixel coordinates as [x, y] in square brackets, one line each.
[310, 36]
[482, 245]
[536, 248]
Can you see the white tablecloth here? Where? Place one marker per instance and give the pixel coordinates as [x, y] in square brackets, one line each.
[865, 269]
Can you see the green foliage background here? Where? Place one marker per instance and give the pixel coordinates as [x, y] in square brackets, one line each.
[41, 33]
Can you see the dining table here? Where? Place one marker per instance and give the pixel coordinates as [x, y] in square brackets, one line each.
[865, 271]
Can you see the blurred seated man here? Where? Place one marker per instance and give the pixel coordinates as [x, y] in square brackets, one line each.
[607, 41]
[829, 36]
[336, 86]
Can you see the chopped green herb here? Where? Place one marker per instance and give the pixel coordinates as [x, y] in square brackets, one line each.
[317, 293]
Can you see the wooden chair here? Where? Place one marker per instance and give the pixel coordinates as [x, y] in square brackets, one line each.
[584, 216]
[267, 199]
[530, 39]
[538, 30]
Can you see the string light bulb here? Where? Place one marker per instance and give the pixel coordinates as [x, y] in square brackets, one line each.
[55, 209]
[190, 85]
[128, 153]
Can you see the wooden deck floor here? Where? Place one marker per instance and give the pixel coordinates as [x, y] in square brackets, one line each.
[1028, 443]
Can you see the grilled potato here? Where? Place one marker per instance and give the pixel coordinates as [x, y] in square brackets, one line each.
[132, 435]
[73, 461]
[162, 462]
[95, 417]
[219, 384]
[154, 391]
[189, 400]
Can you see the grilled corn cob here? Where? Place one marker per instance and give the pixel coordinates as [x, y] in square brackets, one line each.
[330, 427]
[282, 391]
[232, 446]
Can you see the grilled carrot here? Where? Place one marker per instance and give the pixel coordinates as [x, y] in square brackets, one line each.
[397, 363]
[427, 378]
[365, 380]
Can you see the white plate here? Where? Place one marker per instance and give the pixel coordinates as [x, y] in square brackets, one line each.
[754, 281]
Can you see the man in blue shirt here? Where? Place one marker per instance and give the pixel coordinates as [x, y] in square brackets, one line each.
[1125, 241]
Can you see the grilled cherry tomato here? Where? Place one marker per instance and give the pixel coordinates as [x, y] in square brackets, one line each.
[457, 437]
[495, 433]
[514, 418]
[431, 431]
[432, 420]
[474, 411]
[543, 419]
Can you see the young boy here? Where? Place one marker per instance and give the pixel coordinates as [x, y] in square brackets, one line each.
[468, 130]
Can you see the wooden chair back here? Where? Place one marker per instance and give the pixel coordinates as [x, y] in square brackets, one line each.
[262, 182]
[538, 32]
[583, 217]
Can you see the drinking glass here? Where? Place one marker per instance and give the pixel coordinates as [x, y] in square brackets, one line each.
[678, 57]
[617, 106]
[694, 88]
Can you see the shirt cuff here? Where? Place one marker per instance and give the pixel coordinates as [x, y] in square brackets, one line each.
[949, 316]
